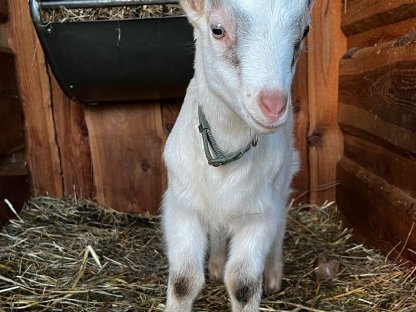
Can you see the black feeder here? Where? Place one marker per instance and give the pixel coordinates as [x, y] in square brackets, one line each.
[117, 60]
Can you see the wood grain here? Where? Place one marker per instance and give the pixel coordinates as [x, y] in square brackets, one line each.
[126, 146]
[378, 93]
[326, 44]
[398, 170]
[73, 142]
[365, 124]
[34, 89]
[375, 58]
[382, 215]
[376, 36]
[11, 127]
[359, 16]
[389, 93]
[301, 112]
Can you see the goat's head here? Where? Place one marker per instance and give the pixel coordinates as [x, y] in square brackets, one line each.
[248, 51]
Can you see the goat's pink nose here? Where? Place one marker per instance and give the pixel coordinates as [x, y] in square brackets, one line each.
[272, 104]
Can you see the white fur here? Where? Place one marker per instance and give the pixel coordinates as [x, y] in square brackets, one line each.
[244, 201]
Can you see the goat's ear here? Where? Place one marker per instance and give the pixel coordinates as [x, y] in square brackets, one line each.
[193, 8]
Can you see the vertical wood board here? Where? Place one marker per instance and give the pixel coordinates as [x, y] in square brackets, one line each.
[301, 181]
[34, 89]
[73, 142]
[326, 44]
[126, 146]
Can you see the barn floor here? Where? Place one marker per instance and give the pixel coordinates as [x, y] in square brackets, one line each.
[68, 255]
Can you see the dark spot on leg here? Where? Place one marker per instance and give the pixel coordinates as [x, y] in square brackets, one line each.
[181, 287]
[243, 294]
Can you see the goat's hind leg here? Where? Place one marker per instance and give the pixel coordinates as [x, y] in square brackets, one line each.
[218, 253]
[273, 271]
[186, 240]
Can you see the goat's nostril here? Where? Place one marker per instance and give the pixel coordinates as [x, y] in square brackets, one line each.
[272, 104]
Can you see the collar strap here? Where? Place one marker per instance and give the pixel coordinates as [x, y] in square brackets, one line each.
[219, 158]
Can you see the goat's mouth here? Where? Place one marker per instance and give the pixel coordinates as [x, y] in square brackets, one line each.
[265, 126]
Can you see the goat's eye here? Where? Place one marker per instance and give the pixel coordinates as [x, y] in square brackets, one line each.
[218, 31]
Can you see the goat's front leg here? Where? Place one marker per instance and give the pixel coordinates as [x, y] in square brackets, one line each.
[244, 269]
[186, 240]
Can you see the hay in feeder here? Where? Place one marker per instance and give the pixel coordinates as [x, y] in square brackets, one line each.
[69, 255]
[64, 15]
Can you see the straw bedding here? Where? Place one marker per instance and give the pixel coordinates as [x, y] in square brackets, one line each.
[64, 15]
[69, 255]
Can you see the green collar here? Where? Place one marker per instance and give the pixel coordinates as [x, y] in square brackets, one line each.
[219, 159]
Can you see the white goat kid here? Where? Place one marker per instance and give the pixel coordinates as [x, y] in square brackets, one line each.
[246, 51]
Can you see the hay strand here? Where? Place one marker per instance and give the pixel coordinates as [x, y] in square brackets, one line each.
[69, 255]
[64, 15]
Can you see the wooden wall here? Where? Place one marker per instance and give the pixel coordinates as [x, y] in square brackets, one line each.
[112, 153]
[13, 173]
[377, 113]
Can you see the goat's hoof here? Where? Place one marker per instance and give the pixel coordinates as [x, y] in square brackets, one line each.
[271, 287]
[272, 283]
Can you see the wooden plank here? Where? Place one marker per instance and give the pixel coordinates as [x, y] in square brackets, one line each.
[301, 112]
[381, 214]
[378, 92]
[398, 170]
[326, 44]
[126, 145]
[359, 16]
[3, 11]
[42, 150]
[376, 36]
[376, 58]
[11, 127]
[365, 124]
[73, 141]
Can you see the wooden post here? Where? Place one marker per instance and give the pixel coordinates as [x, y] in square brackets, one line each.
[301, 112]
[35, 93]
[326, 44]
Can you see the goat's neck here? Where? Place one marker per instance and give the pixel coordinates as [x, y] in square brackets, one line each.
[228, 129]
